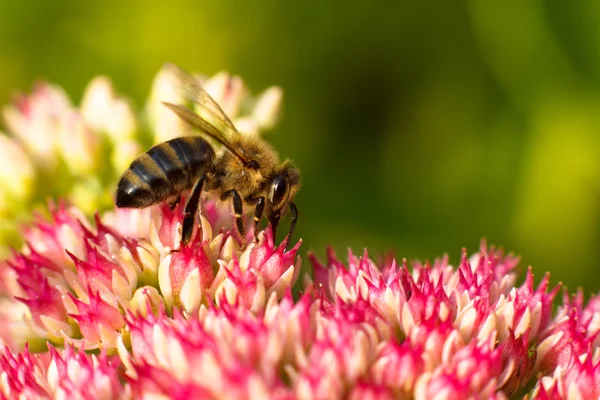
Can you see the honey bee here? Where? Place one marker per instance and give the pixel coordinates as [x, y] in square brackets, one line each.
[245, 169]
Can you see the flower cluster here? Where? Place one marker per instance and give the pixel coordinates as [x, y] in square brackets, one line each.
[79, 281]
[56, 149]
[67, 374]
[218, 320]
[114, 306]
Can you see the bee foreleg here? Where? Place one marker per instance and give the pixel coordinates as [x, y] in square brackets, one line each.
[274, 221]
[191, 207]
[258, 212]
[237, 209]
[294, 211]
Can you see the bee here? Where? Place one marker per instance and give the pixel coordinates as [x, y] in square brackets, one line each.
[245, 169]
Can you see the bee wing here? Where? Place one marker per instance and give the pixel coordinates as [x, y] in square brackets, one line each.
[197, 122]
[209, 116]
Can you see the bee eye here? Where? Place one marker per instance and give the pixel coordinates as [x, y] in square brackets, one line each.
[278, 190]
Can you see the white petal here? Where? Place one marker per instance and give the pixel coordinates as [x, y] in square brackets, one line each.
[191, 292]
[178, 361]
[55, 327]
[258, 301]
[407, 322]
[16, 170]
[164, 279]
[125, 357]
[342, 290]
[267, 107]
[283, 283]
[206, 228]
[160, 346]
[121, 287]
[523, 324]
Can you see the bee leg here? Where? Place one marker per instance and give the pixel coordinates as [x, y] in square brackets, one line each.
[294, 211]
[237, 209]
[274, 221]
[191, 207]
[258, 212]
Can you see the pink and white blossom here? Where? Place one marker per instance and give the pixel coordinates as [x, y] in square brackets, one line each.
[60, 374]
[115, 307]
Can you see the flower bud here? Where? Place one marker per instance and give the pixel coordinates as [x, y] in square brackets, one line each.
[35, 121]
[164, 123]
[96, 102]
[104, 112]
[228, 92]
[16, 171]
[78, 145]
[267, 108]
[146, 300]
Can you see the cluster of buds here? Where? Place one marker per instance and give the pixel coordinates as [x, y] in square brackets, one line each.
[79, 280]
[115, 307]
[215, 319]
[65, 374]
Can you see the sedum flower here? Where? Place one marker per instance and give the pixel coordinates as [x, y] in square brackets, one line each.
[249, 115]
[442, 314]
[241, 355]
[217, 319]
[36, 121]
[60, 374]
[80, 280]
[579, 378]
[114, 307]
[104, 111]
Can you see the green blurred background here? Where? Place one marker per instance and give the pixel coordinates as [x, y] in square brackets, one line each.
[418, 126]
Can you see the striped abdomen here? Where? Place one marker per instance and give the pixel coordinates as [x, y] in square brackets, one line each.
[164, 171]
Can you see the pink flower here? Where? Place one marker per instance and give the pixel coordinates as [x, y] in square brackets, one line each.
[59, 374]
[249, 115]
[226, 353]
[125, 284]
[358, 330]
[79, 280]
[226, 317]
[579, 378]
[344, 348]
[442, 312]
[398, 366]
[572, 332]
[104, 111]
[37, 120]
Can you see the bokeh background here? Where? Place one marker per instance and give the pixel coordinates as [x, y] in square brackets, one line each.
[419, 127]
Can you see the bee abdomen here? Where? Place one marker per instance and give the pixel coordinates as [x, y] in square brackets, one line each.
[164, 171]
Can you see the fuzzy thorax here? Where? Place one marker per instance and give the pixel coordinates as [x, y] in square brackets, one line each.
[231, 173]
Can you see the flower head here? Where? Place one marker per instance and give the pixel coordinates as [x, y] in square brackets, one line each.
[125, 284]
[578, 378]
[249, 115]
[60, 374]
[216, 318]
[239, 354]
[465, 331]
[79, 280]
